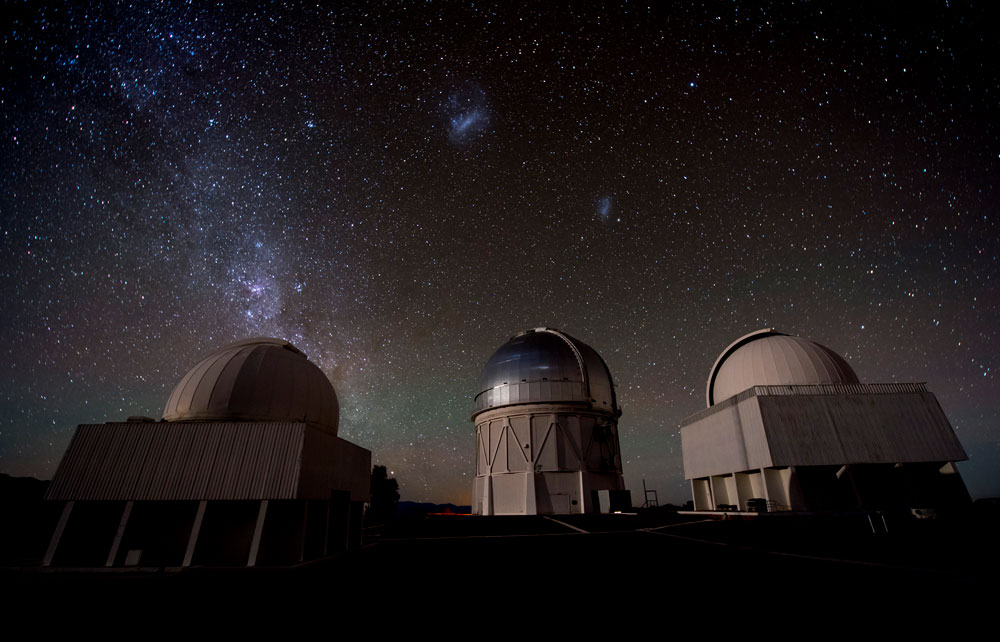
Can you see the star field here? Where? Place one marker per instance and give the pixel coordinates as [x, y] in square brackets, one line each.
[398, 189]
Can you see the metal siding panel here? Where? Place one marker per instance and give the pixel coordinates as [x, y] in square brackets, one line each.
[259, 466]
[714, 444]
[308, 455]
[839, 429]
[198, 470]
[173, 451]
[246, 463]
[865, 426]
[142, 465]
[154, 474]
[183, 483]
[111, 463]
[255, 464]
[242, 453]
[88, 466]
[799, 434]
[100, 467]
[74, 467]
[158, 453]
[136, 458]
[758, 455]
[66, 472]
[263, 452]
[295, 454]
[118, 455]
[212, 464]
[224, 475]
[120, 477]
[169, 463]
[202, 461]
[278, 445]
[287, 450]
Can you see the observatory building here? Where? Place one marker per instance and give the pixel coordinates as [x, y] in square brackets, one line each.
[789, 427]
[546, 420]
[245, 468]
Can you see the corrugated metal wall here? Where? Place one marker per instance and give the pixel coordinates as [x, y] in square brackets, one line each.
[160, 461]
[858, 429]
[818, 425]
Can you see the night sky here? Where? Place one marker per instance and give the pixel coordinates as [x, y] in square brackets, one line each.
[399, 189]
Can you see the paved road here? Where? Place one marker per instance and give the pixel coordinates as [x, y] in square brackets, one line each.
[577, 566]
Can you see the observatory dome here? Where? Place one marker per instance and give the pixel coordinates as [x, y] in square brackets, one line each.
[770, 358]
[256, 380]
[546, 366]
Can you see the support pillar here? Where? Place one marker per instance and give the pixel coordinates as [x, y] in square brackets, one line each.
[701, 492]
[326, 528]
[767, 491]
[347, 524]
[488, 495]
[744, 489]
[530, 499]
[113, 553]
[195, 529]
[848, 471]
[57, 534]
[257, 530]
[720, 491]
[305, 525]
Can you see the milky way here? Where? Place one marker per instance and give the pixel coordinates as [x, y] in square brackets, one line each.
[398, 189]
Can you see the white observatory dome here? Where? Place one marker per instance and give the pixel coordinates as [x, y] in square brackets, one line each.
[256, 380]
[770, 358]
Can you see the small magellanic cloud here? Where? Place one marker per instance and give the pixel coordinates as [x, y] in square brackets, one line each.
[604, 206]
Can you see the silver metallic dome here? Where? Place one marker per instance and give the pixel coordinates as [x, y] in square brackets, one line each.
[256, 380]
[770, 358]
[546, 366]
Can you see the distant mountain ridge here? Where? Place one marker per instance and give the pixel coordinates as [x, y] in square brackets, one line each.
[22, 488]
[409, 509]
